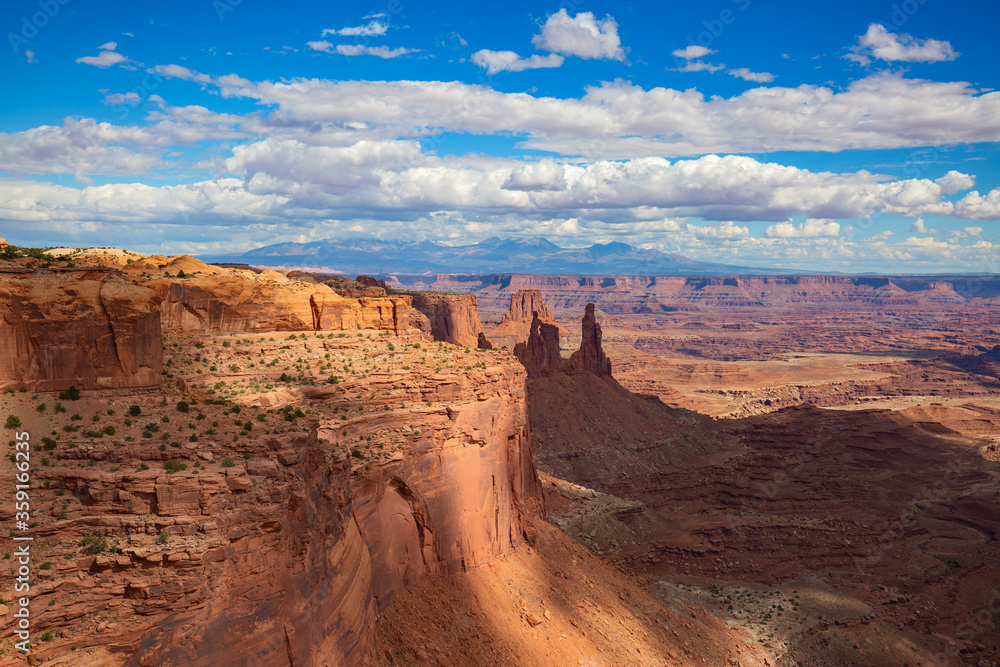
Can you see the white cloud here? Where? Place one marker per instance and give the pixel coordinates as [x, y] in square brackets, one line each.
[508, 61]
[320, 45]
[974, 206]
[619, 119]
[369, 29]
[693, 51]
[966, 233]
[881, 236]
[581, 35]
[811, 228]
[130, 99]
[106, 58]
[179, 72]
[699, 66]
[892, 47]
[955, 181]
[378, 51]
[537, 176]
[30, 55]
[920, 227]
[747, 75]
[360, 50]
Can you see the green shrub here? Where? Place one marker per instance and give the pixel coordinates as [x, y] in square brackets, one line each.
[134, 410]
[183, 406]
[173, 466]
[95, 543]
[71, 394]
[13, 421]
[228, 463]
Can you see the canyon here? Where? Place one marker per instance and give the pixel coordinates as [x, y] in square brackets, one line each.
[293, 468]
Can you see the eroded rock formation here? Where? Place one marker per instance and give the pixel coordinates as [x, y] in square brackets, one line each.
[540, 353]
[88, 328]
[207, 299]
[281, 548]
[590, 356]
[454, 318]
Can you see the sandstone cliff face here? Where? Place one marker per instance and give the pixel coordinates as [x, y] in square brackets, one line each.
[454, 318]
[243, 301]
[283, 547]
[88, 328]
[515, 326]
[639, 294]
[525, 304]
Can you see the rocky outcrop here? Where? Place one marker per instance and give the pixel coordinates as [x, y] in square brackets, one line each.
[525, 304]
[540, 353]
[590, 356]
[368, 281]
[243, 301]
[515, 326]
[281, 548]
[91, 329]
[454, 318]
[351, 289]
[484, 343]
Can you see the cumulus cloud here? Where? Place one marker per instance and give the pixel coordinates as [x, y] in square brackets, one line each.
[693, 51]
[920, 227]
[955, 181]
[974, 206]
[582, 35]
[106, 57]
[372, 28]
[747, 75]
[30, 55]
[892, 47]
[533, 177]
[508, 61]
[619, 119]
[811, 228]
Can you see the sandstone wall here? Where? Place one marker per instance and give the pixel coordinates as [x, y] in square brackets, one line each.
[454, 318]
[286, 558]
[240, 301]
[88, 328]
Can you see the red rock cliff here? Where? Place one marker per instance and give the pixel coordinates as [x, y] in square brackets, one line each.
[281, 548]
[214, 300]
[88, 328]
[454, 318]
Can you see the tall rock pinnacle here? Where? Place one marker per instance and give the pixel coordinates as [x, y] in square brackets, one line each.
[590, 356]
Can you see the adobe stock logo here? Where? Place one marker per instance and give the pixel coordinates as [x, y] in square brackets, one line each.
[30, 25]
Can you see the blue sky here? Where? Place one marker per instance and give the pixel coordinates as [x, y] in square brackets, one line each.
[849, 136]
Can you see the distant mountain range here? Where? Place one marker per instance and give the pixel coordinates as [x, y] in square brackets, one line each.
[535, 255]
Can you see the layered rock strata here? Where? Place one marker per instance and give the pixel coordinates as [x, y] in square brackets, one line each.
[281, 544]
[454, 318]
[87, 328]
